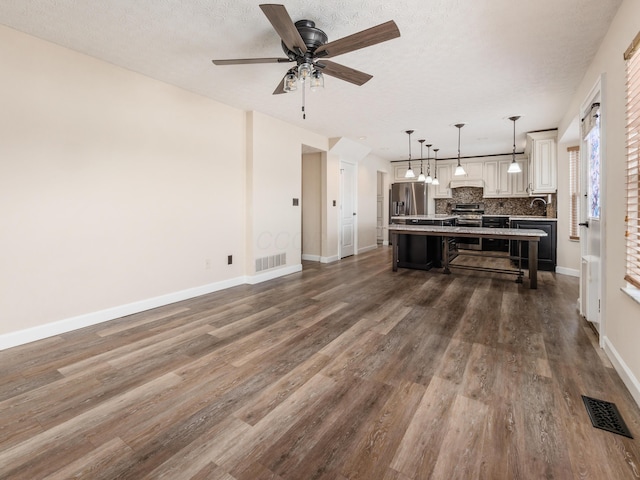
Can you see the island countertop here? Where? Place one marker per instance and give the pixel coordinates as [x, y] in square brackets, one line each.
[432, 216]
[444, 231]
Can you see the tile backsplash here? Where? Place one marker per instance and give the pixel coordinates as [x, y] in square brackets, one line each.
[496, 206]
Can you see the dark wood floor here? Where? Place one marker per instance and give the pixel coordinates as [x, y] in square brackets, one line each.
[343, 371]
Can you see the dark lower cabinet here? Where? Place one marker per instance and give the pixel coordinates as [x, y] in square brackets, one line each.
[423, 252]
[546, 248]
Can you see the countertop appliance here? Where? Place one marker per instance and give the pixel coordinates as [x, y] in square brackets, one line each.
[409, 198]
[469, 215]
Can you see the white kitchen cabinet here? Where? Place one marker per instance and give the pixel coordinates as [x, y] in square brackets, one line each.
[543, 168]
[499, 183]
[473, 176]
[399, 171]
[519, 182]
[491, 179]
[444, 170]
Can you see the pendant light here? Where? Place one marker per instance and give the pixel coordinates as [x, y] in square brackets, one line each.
[459, 168]
[421, 177]
[514, 167]
[409, 173]
[435, 168]
[428, 179]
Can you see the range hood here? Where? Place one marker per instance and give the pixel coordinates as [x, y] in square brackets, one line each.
[466, 183]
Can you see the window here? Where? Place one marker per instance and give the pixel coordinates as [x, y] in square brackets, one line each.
[633, 148]
[574, 192]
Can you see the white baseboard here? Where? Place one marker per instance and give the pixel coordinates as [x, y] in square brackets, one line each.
[21, 337]
[623, 370]
[572, 272]
[335, 258]
[28, 335]
[367, 249]
[275, 273]
[311, 258]
[385, 243]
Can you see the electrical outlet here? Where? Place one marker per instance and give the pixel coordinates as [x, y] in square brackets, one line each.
[296, 202]
[334, 203]
[229, 259]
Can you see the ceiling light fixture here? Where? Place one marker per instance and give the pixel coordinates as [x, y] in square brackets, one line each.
[305, 73]
[459, 168]
[428, 179]
[435, 168]
[409, 173]
[421, 177]
[514, 167]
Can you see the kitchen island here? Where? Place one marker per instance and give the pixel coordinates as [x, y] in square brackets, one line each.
[532, 236]
[423, 252]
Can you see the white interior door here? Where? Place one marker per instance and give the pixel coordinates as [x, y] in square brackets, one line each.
[590, 220]
[348, 221]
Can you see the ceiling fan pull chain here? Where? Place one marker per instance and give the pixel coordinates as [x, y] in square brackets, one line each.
[304, 115]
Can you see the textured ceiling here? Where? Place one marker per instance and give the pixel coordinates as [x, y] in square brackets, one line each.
[473, 61]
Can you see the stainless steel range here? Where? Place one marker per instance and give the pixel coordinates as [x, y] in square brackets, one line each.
[470, 215]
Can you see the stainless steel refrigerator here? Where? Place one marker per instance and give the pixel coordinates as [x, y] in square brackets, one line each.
[409, 198]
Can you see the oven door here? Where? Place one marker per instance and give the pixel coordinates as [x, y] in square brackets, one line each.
[469, 243]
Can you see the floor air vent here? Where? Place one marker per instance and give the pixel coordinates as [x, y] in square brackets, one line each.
[272, 261]
[605, 415]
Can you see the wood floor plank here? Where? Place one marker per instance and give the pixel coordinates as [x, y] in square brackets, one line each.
[342, 371]
[464, 437]
[419, 449]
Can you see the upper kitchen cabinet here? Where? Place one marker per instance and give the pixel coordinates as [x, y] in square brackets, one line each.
[444, 172]
[499, 183]
[471, 178]
[543, 168]
[400, 169]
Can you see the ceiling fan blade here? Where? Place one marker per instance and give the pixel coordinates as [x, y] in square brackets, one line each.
[284, 26]
[246, 61]
[365, 38]
[280, 88]
[347, 74]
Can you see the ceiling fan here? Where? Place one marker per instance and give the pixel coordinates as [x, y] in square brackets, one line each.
[308, 46]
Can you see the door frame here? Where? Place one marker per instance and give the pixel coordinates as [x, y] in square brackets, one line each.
[596, 95]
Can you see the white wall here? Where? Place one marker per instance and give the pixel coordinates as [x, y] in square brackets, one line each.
[621, 314]
[568, 250]
[367, 199]
[115, 188]
[274, 173]
[120, 193]
[312, 206]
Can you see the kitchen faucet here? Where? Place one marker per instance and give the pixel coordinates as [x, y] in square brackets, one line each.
[544, 202]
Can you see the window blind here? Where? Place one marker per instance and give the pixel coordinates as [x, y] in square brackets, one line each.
[633, 155]
[574, 192]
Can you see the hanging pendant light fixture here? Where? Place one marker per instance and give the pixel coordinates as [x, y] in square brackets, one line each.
[514, 167]
[459, 168]
[421, 177]
[428, 179]
[409, 173]
[435, 168]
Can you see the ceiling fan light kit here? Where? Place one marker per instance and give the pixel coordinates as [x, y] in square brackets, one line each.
[308, 46]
